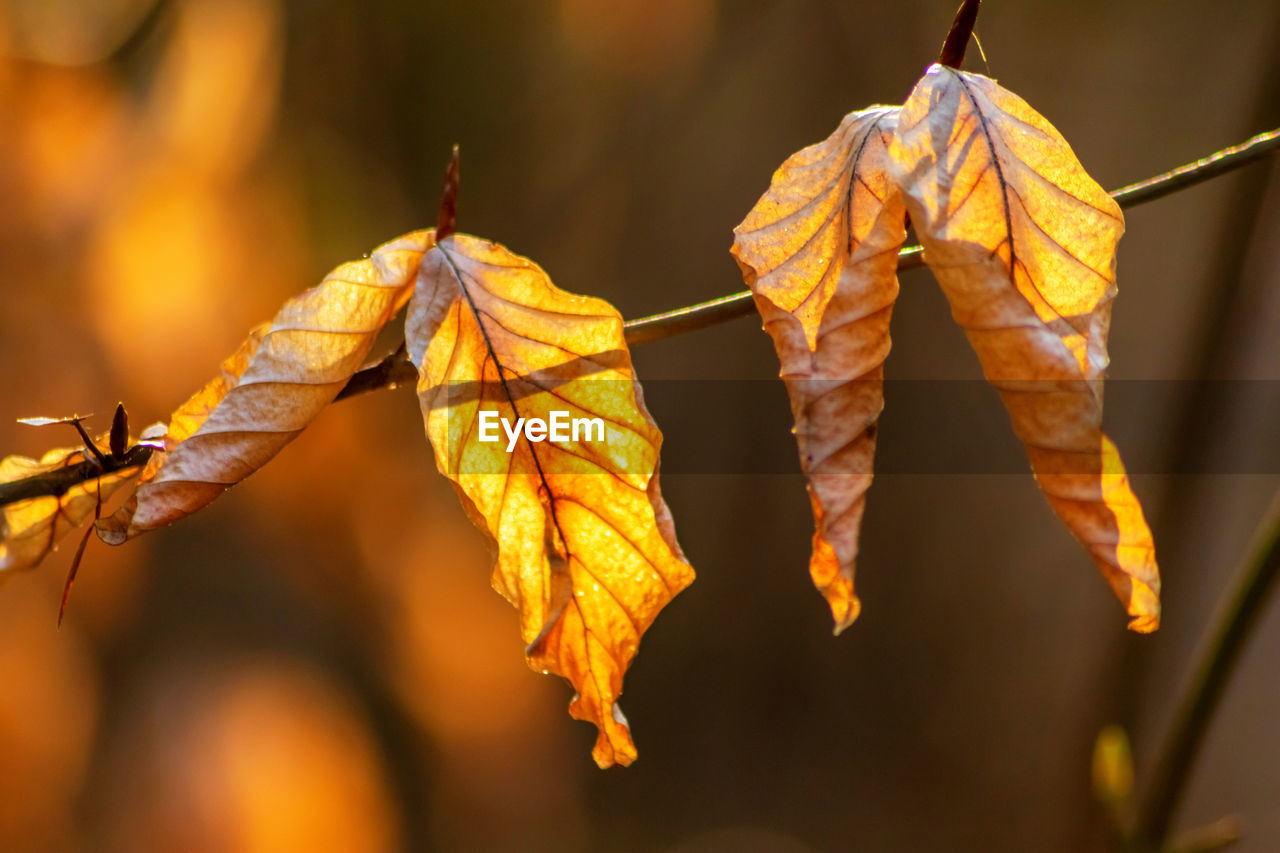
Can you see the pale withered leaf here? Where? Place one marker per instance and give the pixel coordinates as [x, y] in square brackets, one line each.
[794, 243]
[1023, 242]
[272, 387]
[819, 252]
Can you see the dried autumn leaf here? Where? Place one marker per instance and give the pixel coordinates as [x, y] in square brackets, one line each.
[31, 528]
[1023, 242]
[272, 387]
[794, 243]
[819, 250]
[586, 548]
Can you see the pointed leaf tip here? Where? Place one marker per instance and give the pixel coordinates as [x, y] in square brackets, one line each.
[42, 421]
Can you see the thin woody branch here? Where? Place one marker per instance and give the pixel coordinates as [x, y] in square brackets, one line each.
[396, 368]
[58, 482]
[1201, 170]
[1250, 588]
[668, 324]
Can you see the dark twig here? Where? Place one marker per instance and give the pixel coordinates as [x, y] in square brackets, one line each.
[75, 561]
[99, 457]
[447, 218]
[953, 48]
[396, 369]
[59, 481]
[1250, 588]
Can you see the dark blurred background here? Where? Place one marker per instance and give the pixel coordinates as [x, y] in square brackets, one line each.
[316, 661]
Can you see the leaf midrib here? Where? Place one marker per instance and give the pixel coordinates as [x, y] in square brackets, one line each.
[506, 389]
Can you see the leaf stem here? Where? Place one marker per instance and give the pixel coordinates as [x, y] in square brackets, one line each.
[957, 40]
[395, 369]
[447, 218]
[1238, 612]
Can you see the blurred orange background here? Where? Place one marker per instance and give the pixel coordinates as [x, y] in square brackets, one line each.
[317, 662]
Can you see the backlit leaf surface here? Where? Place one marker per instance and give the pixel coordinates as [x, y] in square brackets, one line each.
[1023, 242]
[272, 387]
[820, 204]
[586, 550]
[821, 248]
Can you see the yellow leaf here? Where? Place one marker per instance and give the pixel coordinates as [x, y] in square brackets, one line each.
[586, 548]
[272, 387]
[796, 240]
[819, 252]
[1023, 242]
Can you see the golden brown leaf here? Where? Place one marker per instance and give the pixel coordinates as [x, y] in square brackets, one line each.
[270, 389]
[1023, 242]
[821, 248]
[31, 528]
[796, 240]
[586, 548]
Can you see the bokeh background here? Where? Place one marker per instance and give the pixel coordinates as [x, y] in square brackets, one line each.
[316, 661]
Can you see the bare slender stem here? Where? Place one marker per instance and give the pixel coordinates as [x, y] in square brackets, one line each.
[1201, 170]
[1251, 585]
[668, 324]
[395, 369]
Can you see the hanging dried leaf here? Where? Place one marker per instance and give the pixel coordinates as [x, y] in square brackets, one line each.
[586, 548]
[1023, 243]
[31, 528]
[272, 387]
[822, 201]
[820, 248]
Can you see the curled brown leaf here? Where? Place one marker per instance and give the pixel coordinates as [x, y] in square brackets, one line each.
[821, 248]
[272, 387]
[1023, 242]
